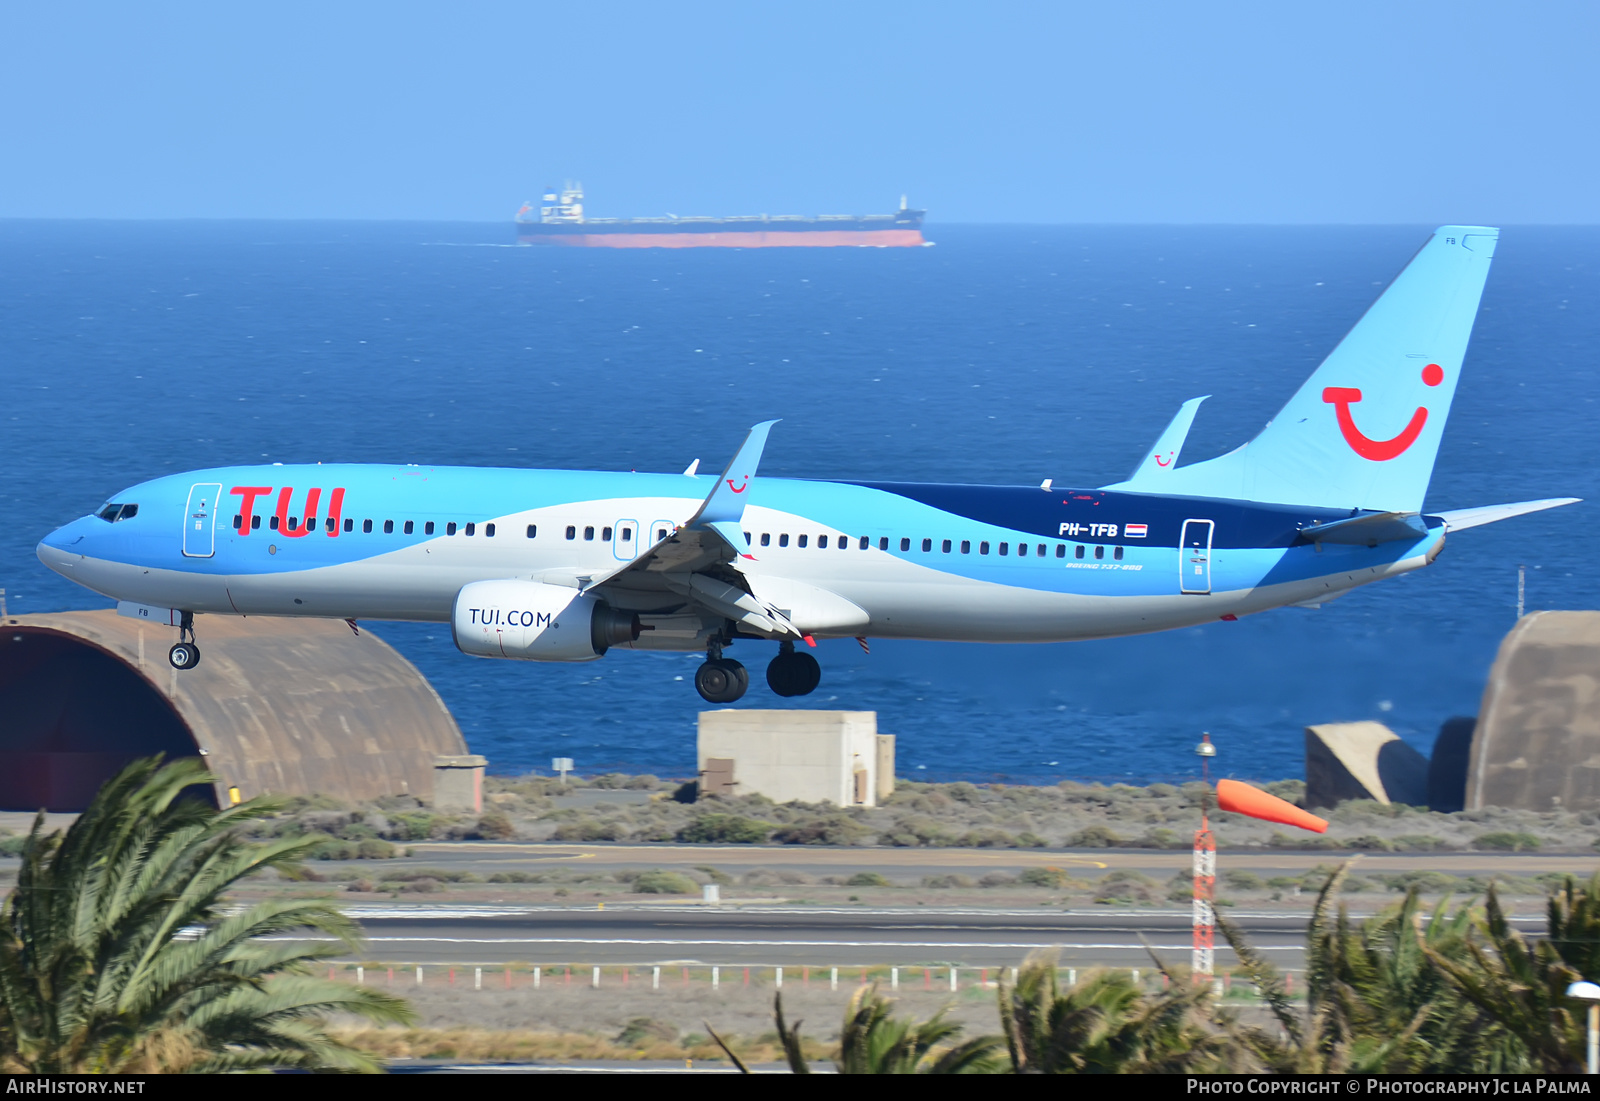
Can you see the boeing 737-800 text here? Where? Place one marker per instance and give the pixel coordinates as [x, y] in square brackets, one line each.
[552, 565]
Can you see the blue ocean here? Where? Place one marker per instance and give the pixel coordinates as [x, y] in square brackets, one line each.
[1001, 355]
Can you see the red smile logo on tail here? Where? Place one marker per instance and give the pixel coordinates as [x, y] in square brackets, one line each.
[739, 488]
[1379, 451]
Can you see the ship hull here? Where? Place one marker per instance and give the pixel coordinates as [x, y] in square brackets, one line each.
[837, 238]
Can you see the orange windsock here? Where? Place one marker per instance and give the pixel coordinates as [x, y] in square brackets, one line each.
[1241, 798]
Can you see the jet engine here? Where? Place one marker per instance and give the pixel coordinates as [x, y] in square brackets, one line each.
[532, 621]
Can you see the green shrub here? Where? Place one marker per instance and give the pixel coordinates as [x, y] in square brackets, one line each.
[587, 829]
[834, 829]
[867, 879]
[940, 881]
[374, 848]
[1030, 840]
[1093, 837]
[1418, 843]
[415, 827]
[1507, 841]
[641, 1030]
[1127, 887]
[495, 826]
[11, 846]
[1240, 880]
[987, 837]
[725, 829]
[516, 877]
[1052, 878]
[664, 883]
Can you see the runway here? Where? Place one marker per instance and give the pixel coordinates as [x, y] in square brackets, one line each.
[486, 857]
[810, 937]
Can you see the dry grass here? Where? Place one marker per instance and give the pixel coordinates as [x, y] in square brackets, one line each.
[482, 1045]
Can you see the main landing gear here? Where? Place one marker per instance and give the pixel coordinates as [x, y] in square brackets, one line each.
[792, 673]
[185, 655]
[720, 679]
[723, 680]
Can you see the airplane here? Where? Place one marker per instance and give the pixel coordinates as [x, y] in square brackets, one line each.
[559, 565]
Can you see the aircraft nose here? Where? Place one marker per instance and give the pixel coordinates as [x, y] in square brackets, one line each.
[62, 547]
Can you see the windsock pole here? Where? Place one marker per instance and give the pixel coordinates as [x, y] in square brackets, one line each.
[1205, 877]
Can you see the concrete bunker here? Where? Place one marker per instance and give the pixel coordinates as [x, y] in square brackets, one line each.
[286, 706]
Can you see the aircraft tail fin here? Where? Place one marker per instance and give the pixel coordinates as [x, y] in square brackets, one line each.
[1364, 430]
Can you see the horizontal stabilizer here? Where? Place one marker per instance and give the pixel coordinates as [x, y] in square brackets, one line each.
[1463, 518]
[1368, 530]
[1160, 460]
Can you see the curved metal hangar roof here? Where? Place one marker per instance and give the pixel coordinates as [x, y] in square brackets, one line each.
[290, 706]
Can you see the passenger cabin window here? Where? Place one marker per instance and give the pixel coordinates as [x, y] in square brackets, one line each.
[946, 546]
[1061, 550]
[472, 529]
[766, 539]
[238, 521]
[450, 528]
[1099, 552]
[605, 533]
[627, 535]
[844, 542]
[927, 545]
[366, 525]
[1077, 552]
[533, 529]
[488, 531]
[661, 533]
[783, 539]
[273, 524]
[572, 532]
[588, 533]
[349, 524]
[427, 528]
[801, 541]
[388, 527]
[822, 542]
[1005, 548]
[1117, 554]
[867, 543]
[966, 546]
[905, 545]
[1041, 551]
[983, 547]
[410, 526]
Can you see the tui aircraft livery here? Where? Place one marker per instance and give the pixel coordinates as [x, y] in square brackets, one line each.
[555, 565]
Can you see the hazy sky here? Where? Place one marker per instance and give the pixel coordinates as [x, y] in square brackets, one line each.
[1293, 111]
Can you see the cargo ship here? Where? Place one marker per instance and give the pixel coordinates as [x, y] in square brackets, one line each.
[559, 221]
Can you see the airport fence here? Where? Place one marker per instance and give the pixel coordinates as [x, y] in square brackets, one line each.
[568, 976]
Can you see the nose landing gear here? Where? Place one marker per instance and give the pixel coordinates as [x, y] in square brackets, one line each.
[793, 673]
[720, 679]
[185, 655]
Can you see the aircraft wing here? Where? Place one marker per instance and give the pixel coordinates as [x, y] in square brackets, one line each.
[1463, 518]
[697, 564]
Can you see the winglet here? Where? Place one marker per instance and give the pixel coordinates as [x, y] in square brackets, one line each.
[726, 501]
[694, 468]
[1162, 459]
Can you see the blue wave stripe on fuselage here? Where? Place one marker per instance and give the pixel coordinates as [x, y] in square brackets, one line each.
[1253, 544]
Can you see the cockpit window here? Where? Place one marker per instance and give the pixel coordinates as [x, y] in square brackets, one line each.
[115, 511]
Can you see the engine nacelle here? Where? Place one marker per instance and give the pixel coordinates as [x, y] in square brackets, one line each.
[532, 621]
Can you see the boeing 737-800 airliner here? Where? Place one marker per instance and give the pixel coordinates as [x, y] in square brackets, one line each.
[552, 565]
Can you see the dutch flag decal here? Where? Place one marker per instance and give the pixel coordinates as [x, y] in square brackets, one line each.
[1136, 531]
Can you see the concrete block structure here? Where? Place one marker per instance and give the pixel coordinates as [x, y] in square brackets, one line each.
[1362, 760]
[811, 756]
[458, 782]
[287, 706]
[1537, 744]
